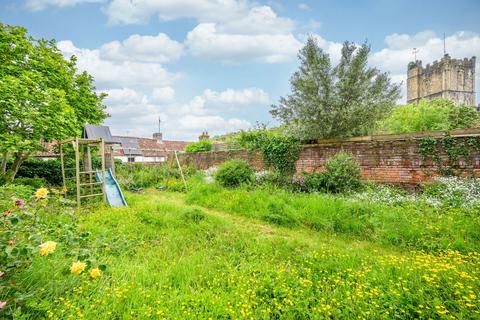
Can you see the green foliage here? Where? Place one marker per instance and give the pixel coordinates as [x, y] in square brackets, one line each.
[32, 182]
[188, 262]
[278, 151]
[9, 193]
[199, 146]
[458, 154]
[42, 98]
[412, 225]
[342, 174]
[234, 173]
[430, 115]
[49, 170]
[139, 175]
[341, 101]
[30, 223]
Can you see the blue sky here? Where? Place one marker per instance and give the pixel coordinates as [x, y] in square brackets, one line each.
[218, 65]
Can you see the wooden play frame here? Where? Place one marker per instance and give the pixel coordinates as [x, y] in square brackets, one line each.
[82, 148]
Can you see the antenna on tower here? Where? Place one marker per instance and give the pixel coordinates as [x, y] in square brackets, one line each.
[159, 124]
[444, 45]
[415, 51]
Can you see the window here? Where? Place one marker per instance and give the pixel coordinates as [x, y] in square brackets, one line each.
[131, 159]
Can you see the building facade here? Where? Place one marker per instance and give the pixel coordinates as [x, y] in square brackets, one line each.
[452, 79]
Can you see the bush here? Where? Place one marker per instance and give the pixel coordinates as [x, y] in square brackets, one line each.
[200, 146]
[233, 173]
[342, 173]
[314, 182]
[9, 193]
[32, 182]
[49, 170]
[139, 175]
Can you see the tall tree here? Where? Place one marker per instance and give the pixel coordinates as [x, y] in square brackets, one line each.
[42, 98]
[335, 102]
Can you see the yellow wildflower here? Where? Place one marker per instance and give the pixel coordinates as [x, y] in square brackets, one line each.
[47, 247]
[78, 267]
[41, 193]
[95, 273]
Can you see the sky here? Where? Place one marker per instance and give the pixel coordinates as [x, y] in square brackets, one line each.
[219, 65]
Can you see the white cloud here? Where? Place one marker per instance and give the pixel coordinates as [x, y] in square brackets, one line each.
[108, 73]
[206, 42]
[231, 96]
[213, 124]
[36, 5]
[158, 48]
[258, 20]
[163, 95]
[304, 7]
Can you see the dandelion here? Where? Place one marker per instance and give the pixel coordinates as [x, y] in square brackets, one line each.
[41, 193]
[78, 267]
[47, 247]
[95, 273]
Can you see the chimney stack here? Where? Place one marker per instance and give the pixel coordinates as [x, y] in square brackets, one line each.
[158, 136]
[204, 136]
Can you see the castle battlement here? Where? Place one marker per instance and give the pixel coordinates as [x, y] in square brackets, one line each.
[447, 78]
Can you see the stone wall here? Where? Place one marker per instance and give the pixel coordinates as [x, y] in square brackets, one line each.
[388, 158]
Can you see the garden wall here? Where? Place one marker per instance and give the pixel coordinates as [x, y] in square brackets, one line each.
[386, 158]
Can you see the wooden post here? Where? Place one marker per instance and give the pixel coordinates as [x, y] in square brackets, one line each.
[77, 171]
[102, 146]
[89, 167]
[60, 147]
[181, 171]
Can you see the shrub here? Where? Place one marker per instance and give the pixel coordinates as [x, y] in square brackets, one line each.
[233, 173]
[9, 193]
[139, 175]
[49, 170]
[200, 146]
[342, 173]
[33, 182]
[314, 182]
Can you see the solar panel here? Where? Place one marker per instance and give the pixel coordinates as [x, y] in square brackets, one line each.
[129, 145]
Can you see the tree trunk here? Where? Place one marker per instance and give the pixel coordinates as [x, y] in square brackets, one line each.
[18, 158]
[4, 162]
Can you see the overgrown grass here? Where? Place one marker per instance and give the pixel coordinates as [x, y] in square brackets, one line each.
[413, 226]
[173, 260]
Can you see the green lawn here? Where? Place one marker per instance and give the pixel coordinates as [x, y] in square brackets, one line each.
[170, 258]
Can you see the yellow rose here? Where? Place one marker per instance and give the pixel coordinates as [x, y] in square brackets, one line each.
[78, 267]
[95, 273]
[47, 247]
[41, 193]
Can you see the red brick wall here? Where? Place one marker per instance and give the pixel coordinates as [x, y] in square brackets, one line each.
[390, 159]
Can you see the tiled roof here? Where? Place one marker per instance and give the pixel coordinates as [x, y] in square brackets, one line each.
[151, 148]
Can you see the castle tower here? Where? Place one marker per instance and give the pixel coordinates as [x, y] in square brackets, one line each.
[452, 79]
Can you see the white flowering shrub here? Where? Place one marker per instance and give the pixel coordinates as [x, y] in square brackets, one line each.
[453, 192]
[209, 174]
[448, 192]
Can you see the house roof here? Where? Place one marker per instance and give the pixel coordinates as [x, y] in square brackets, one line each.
[96, 132]
[148, 147]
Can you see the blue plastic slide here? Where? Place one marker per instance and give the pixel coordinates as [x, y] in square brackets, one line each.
[114, 194]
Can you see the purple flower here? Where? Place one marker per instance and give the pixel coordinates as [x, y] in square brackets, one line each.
[3, 304]
[19, 202]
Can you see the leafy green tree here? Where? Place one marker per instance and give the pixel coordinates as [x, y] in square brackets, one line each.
[42, 98]
[199, 146]
[430, 115]
[341, 101]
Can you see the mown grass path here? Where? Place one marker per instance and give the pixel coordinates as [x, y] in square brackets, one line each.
[173, 260]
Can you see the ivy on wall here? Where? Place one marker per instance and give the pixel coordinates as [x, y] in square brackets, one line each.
[278, 152]
[458, 153]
